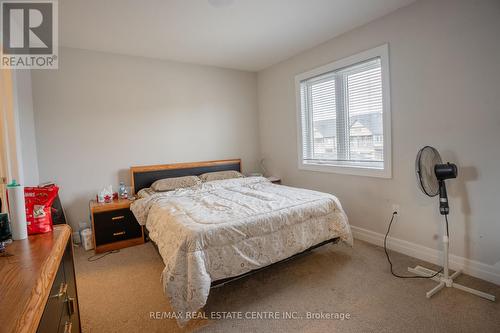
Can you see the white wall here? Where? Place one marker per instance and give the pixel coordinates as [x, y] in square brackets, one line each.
[101, 113]
[445, 81]
[23, 104]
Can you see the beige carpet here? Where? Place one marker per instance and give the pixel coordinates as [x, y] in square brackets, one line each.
[118, 292]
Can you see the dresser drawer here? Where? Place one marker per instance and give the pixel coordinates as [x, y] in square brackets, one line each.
[61, 313]
[55, 304]
[114, 226]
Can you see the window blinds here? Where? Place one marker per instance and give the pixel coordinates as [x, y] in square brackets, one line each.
[342, 116]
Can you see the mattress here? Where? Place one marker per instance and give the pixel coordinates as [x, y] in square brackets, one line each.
[225, 228]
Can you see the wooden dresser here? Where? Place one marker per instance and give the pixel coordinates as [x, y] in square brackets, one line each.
[37, 285]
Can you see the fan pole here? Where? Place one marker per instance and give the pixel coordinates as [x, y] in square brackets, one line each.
[446, 246]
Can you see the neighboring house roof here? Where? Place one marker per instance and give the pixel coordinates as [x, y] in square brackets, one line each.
[358, 129]
[372, 122]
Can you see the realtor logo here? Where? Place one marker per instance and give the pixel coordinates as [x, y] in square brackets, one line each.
[29, 35]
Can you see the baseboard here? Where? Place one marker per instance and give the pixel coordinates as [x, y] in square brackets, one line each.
[471, 267]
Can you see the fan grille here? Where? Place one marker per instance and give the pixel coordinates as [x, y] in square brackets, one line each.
[427, 158]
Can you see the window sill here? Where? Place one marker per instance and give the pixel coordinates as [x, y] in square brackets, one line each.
[347, 170]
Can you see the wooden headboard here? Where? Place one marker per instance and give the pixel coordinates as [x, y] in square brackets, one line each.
[144, 176]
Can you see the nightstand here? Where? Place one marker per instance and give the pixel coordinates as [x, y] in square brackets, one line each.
[274, 179]
[114, 226]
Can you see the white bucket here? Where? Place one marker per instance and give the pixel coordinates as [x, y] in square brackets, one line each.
[87, 239]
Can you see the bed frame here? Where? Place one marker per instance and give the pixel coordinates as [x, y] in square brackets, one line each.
[144, 176]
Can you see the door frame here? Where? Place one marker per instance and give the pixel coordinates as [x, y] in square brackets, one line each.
[10, 160]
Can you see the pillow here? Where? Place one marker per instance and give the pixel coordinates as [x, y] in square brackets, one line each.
[145, 192]
[170, 184]
[219, 175]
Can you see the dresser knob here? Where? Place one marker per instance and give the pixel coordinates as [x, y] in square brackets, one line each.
[71, 303]
[68, 326]
[62, 291]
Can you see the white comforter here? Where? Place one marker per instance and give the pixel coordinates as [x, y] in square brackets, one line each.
[225, 228]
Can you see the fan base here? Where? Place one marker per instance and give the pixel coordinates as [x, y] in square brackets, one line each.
[447, 282]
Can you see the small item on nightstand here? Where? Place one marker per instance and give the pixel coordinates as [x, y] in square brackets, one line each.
[122, 191]
[105, 195]
[274, 179]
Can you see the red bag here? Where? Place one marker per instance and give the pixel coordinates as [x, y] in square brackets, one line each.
[38, 201]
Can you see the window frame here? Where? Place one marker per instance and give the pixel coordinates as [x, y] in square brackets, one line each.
[381, 51]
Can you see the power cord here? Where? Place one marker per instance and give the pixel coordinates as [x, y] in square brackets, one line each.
[97, 257]
[389, 259]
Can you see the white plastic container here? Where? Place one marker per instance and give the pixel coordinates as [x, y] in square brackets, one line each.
[81, 226]
[17, 211]
[87, 239]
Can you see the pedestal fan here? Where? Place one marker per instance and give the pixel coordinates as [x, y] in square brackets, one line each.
[431, 175]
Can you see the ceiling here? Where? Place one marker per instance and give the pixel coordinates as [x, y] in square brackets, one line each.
[240, 34]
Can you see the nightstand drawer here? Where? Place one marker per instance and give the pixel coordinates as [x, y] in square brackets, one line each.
[116, 225]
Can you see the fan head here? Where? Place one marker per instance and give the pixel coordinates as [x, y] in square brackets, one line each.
[427, 158]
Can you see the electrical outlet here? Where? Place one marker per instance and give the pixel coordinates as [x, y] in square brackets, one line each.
[395, 208]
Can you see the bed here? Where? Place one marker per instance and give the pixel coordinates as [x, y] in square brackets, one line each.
[224, 229]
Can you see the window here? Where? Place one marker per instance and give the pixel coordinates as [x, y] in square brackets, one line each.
[344, 116]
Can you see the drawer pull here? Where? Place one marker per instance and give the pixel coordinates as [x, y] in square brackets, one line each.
[71, 302]
[116, 218]
[119, 233]
[68, 326]
[62, 290]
